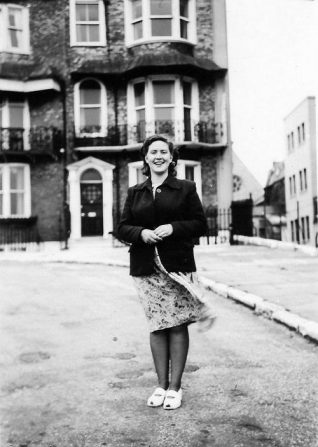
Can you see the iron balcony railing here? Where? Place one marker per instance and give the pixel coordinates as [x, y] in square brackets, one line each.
[208, 132]
[37, 139]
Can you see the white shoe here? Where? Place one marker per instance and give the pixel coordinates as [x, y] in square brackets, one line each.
[173, 400]
[157, 398]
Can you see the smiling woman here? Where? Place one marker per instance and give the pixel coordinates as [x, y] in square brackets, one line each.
[160, 219]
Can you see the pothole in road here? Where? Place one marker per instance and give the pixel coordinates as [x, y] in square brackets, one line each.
[191, 368]
[34, 357]
[129, 374]
[250, 423]
[119, 385]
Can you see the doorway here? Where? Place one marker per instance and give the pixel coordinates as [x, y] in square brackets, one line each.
[91, 203]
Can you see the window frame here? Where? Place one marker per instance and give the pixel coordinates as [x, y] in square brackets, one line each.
[146, 18]
[6, 191]
[5, 45]
[77, 110]
[150, 106]
[102, 24]
[26, 120]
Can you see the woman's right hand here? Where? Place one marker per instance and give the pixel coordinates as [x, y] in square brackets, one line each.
[150, 237]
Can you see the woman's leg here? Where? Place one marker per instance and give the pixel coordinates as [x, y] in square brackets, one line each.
[159, 343]
[178, 348]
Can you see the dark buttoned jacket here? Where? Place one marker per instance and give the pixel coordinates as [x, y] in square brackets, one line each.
[177, 203]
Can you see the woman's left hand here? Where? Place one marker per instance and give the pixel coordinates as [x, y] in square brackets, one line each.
[164, 230]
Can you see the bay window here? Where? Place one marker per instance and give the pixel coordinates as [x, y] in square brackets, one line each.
[160, 20]
[165, 105]
[90, 104]
[15, 200]
[14, 22]
[87, 23]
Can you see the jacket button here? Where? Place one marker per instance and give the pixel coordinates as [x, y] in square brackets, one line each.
[158, 190]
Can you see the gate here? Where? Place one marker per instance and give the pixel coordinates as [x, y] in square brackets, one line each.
[219, 225]
[242, 217]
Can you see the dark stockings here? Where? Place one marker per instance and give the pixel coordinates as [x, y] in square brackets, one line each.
[170, 344]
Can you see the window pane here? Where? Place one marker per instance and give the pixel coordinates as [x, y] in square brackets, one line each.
[16, 178]
[90, 118]
[161, 27]
[187, 93]
[15, 16]
[1, 204]
[93, 33]
[16, 115]
[91, 174]
[164, 113]
[136, 6]
[81, 13]
[139, 94]
[140, 115]
[184, 8]
[183, 29]
[160, 7]
[90, 93]
[137, 30]
[92, 12]
[189, 173]
[15, 38]
[17, 203]
[163, 92]
[82, 33]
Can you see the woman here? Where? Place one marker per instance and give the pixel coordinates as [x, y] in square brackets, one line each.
[160, 219]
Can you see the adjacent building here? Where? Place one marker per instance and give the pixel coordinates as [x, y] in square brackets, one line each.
[83, 82]
[301, 184]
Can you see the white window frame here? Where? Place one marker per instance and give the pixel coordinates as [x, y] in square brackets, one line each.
[133, 167]
[178, 104]
[26, 121]
[4, 24]
[77, 112]
[6, 190]
[146, 24]
[101, 22]
[181, 169]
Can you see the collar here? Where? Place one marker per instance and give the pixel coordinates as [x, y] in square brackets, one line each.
[170, 181]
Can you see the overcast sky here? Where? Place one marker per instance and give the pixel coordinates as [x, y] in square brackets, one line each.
[273, 62]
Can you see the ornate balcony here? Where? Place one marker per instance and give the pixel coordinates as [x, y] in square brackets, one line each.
[39, 140]
[208, 132]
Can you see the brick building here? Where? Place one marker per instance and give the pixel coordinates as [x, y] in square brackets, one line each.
[83, 82]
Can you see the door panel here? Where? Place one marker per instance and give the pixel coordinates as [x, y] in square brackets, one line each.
[92, 209]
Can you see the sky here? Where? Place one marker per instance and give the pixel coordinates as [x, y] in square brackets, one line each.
[273, 66]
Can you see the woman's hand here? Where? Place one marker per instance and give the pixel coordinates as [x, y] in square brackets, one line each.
[150, 237]
[164, 230]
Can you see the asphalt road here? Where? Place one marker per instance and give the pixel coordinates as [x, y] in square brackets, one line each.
[76, 369]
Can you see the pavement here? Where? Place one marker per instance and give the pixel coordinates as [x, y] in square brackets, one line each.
[76, 368]
[279, 284]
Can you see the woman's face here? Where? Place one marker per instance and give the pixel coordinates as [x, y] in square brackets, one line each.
[158, 157]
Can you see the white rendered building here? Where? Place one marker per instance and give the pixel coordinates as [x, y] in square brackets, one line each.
[301, 169]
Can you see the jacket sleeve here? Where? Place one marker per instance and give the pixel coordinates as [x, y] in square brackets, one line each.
[126, 230]
[195, 225]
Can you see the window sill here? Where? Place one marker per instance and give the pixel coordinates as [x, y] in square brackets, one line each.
[158, 40]
[15, 51]
[88, 44]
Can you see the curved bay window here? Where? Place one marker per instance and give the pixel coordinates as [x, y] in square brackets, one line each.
[90, 108]
[160, 20]
[164, 105]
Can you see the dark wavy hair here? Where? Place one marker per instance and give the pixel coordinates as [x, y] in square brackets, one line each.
[174, 152]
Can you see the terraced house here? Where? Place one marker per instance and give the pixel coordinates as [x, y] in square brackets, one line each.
[82, 83]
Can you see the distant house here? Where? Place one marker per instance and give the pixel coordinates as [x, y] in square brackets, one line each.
[274, 203]
[301, 173]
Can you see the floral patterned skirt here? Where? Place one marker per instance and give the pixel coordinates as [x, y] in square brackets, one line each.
[166, 302]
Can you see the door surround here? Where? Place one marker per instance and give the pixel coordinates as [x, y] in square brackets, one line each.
[74, 179]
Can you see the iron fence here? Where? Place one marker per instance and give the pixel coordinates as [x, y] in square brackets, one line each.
[179, 130]
[19, 234]
[37, 139]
